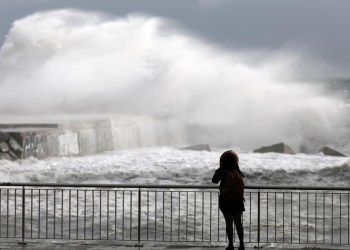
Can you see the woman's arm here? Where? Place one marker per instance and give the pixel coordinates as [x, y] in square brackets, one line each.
[217, 176]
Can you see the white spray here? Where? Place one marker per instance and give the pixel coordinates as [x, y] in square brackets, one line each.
[69, 62]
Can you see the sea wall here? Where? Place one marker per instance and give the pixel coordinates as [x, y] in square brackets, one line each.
[67, 139]
[87, 137]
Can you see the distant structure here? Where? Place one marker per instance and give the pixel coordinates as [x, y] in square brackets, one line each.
[80, 138]
[276, 148]
[21, 141]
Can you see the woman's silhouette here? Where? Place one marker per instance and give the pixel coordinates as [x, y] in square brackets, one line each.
[231, 208]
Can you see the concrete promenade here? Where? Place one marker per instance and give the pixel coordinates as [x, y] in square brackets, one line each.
[103, 245]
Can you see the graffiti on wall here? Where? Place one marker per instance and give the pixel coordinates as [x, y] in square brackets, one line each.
[50, 145]
[35, 146]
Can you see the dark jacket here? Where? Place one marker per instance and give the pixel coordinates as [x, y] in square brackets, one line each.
[220, 176]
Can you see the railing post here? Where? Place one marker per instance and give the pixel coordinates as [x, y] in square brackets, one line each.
[23, 216]
[139, 221]
[259, 218]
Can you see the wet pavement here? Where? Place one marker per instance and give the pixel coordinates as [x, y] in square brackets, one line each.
[108, 245]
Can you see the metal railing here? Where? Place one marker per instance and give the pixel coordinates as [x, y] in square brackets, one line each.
[171, 213]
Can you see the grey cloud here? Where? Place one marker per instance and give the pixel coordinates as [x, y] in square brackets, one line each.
[319, 27]
[212, 3]
[22, 3]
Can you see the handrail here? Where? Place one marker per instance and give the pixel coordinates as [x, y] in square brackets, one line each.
[30, 184]
[69, 210]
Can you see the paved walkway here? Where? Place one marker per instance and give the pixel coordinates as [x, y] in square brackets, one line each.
[101, 245]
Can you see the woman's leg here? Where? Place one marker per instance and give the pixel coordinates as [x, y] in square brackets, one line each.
[229, 227]
[237, 218]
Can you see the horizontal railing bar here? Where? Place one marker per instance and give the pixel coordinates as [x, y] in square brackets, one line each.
[16, 184]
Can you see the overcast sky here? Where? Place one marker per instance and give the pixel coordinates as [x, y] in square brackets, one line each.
[317, 27]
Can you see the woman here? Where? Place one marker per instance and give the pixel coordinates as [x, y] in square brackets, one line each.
[231, 208]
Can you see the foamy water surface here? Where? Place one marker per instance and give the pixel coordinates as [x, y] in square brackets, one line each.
[165, 165]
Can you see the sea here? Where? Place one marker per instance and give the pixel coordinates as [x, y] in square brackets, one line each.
[169, 165]
[65, 65]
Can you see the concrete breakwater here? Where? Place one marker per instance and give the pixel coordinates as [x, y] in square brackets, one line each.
[81, 138]
[21, 141]
[55, 140]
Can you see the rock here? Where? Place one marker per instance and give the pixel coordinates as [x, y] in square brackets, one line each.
[3, 136]
[15, 148]
[14, 145]
[276, 148]
[199, 147]
[4, 156]
[4, 147]
[12, 155]
[329, 151]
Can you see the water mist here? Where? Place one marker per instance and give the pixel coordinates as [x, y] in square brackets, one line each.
[77, 64]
